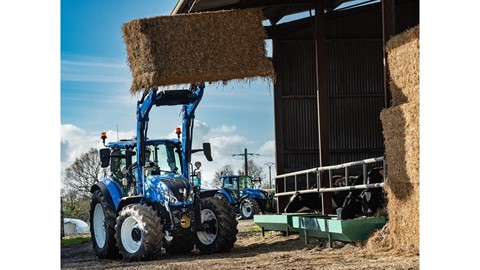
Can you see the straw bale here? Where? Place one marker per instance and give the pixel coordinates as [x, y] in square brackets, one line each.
[401, 130]
[402, 232]
[197, 47]
[403, 59]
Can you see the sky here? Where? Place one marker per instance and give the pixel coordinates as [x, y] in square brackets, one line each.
[35, 124]
[95, 97]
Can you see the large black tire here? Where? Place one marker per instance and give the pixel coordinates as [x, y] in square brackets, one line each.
[179, 244]
[227, 202]
[222, 232]
[102, 227]
[249, 208]
[139, 233]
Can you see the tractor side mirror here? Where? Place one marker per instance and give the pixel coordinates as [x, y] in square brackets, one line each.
[207, 151]
[105, 157]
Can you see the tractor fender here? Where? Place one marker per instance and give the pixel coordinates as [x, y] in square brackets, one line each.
[208, 193]
[129, 200]
[111, 190]
[229, 196]
[254, 194]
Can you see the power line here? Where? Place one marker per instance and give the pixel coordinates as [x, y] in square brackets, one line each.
[245, 154]
[270, 164]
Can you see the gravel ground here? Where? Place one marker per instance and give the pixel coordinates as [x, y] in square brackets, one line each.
[253, 251]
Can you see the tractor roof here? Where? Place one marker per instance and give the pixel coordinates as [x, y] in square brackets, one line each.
[133, 143]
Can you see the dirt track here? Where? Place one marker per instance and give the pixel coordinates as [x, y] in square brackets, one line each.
[252, 251]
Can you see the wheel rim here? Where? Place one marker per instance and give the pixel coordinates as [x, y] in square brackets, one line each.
[99, 225]
[208, 236]
[131, 234]
[247, 209]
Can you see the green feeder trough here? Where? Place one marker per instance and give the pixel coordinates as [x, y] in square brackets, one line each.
[321, 226]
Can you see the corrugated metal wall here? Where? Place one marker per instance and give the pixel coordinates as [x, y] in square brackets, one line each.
[355, 90]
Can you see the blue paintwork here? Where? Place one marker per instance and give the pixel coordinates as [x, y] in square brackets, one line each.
[154, 187]
[187, 126]
[253, 193]
[158, 191]
[133, 143]
[259, 195]
[114, 189]
[143, 109]
[228, 196]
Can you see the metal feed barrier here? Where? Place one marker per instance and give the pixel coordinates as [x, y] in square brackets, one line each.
[319, 172]
[323, 225]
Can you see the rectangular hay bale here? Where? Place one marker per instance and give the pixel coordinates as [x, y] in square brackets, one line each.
[403, 216]
[403, 59]
[401, 130]
[197, 47]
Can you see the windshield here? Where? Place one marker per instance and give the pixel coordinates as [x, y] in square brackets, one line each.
[164, 155]
[245, 182]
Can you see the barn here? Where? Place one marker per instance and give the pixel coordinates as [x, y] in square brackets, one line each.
[332, 80]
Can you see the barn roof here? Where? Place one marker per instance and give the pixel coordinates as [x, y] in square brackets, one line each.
[274, 10]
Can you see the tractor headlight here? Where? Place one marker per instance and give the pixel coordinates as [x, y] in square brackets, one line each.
[170, 196]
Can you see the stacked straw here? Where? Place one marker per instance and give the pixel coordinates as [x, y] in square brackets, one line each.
[401, 130]
[403, 60]
[197, 47]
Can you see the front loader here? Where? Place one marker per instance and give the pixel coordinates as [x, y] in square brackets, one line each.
[145, 208]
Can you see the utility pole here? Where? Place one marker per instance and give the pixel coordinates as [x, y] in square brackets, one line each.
[270, 164]
[245, 154]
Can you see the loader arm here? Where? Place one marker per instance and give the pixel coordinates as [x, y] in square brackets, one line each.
[190, 100]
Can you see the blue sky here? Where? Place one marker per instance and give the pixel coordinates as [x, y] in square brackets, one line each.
[95, 97]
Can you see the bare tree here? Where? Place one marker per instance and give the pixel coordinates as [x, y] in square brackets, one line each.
[75, 206]
[84, 173]
[254, 171]
[226, 169]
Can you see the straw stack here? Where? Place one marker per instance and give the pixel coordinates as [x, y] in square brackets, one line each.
[401, 130]
[403, 60]
[197, 47]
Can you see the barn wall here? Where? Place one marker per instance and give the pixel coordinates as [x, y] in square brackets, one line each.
[354, 72]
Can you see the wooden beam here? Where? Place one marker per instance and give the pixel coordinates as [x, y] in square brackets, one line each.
[388, 26]
[322, 99]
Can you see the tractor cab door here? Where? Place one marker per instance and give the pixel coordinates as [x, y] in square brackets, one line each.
[231, 184]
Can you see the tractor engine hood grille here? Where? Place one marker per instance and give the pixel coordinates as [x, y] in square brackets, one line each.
[177, 185]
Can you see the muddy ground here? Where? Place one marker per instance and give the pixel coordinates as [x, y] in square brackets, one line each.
[253, 251]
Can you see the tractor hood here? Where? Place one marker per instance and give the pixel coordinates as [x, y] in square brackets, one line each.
[270, 192]
[172, 188]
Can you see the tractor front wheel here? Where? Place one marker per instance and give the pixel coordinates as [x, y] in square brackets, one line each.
[249, 208]
[102, 227]
[220, 227]
[139, 233]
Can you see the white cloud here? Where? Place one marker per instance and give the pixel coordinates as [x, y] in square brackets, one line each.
[267, 148]
[224, 129]
[76, 141]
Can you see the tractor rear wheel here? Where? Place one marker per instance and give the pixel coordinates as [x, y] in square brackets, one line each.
[249, 208]
[139, 233]
[102, 227]
[220, 224]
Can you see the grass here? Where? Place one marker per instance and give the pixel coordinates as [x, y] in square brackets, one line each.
[75, 241]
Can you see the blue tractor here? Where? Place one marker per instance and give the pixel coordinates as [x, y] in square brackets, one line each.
[149, 205]
[246, 200]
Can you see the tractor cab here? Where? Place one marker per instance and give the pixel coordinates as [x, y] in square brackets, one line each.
[164, 157]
